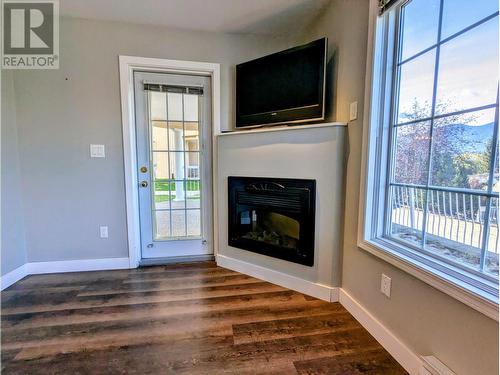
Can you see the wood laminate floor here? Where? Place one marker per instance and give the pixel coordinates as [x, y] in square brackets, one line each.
[191, 318]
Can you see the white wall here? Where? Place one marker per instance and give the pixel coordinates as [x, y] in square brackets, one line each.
[428, 321]
[316, 153]
[13, 249]
[66, 194]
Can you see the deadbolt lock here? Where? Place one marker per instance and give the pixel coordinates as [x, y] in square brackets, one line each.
[144, 169]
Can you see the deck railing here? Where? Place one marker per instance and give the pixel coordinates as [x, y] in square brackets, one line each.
[454, 216]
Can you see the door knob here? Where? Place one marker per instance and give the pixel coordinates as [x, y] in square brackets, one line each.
[144, 184]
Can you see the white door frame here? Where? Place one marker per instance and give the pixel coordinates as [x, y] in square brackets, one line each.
[128, 64]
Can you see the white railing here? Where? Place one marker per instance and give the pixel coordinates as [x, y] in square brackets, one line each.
[451, 215]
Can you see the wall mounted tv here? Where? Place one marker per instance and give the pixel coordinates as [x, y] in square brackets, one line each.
[285, 87]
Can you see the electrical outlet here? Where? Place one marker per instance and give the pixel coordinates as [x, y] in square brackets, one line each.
[103, 231]
[385, 285]
[353, 111]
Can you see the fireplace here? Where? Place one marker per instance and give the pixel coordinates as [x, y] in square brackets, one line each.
[273, 216]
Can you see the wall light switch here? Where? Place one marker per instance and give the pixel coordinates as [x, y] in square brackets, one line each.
[353, 111]
[103, 231]
[385, 285]
[97, 151]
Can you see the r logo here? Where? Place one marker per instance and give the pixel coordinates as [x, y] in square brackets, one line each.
[30, 29]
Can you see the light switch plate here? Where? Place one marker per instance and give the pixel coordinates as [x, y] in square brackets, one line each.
[353, 111]
[385, 285]
[97, 151]
[103, 231]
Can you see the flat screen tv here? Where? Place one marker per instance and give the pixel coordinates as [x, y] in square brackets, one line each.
[285, 87]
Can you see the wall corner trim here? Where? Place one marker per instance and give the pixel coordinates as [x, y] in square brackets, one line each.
[321, 291]
[79, 265]
[401, 353]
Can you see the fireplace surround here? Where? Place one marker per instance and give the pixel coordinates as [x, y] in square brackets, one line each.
[273, 217]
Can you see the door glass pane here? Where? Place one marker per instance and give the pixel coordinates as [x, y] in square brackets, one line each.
[461, 150]
[160, 165]
[415, 88]
[468, 70]
[459, 14]
[193, 193]
[159, 136]
[179, 223]
[163, 194]
[161, 225]
[192, 165]
[412, 153]
[176, 165]
[193, 222]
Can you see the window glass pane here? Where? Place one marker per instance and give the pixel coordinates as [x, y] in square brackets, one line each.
[420, 20]
[412, 153]
[407, 214]
[160, 165]
[178, 223]
[492, 244]
[455, 223]
[468, 70]
[415, 87]
[461, 150]
[459, 14]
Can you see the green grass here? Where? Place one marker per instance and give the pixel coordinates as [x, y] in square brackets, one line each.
[166, 185]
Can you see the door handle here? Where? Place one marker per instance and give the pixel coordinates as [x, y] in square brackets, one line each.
[144, 184]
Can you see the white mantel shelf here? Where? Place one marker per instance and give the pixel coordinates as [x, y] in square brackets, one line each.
[284, 128]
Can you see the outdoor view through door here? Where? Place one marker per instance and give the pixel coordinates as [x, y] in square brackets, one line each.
[170, 169]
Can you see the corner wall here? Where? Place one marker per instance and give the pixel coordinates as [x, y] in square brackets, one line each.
[13, 247]
[427, 320]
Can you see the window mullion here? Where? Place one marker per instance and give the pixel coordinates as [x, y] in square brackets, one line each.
[433, 112]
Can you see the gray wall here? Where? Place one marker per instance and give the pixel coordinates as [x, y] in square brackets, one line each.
[66, 194]
[13, 253]
[428, 321]
[305, 153]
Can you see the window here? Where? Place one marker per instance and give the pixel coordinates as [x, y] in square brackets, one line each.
[433, 183]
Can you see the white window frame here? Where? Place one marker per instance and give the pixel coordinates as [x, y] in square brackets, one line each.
[473, 290]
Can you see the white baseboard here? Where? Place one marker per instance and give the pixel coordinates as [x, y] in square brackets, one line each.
[401, 353]
[35, 268]
[324, 292]
[13, 276]
[80, 265]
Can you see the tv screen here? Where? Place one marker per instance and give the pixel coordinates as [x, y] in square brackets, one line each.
[284, 87]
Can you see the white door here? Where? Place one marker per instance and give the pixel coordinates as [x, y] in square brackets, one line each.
[173, 132]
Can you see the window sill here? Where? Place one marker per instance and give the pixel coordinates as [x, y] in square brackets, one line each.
[478, 299]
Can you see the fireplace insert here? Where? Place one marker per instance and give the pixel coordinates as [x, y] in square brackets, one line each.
[273, 216]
